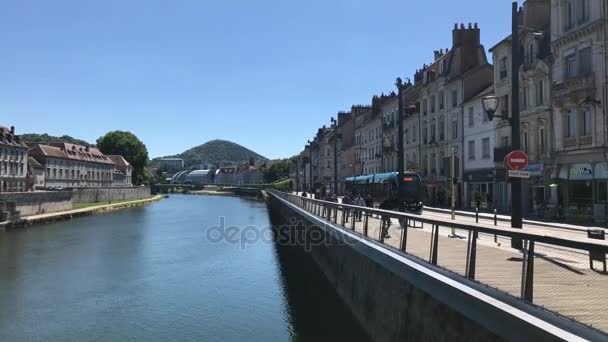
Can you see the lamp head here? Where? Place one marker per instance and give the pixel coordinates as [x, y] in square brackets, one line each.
[490, 105]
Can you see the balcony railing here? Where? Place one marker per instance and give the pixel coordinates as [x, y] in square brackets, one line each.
[586, 140]
[582, 85]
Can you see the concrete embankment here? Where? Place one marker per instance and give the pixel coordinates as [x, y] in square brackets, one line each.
[69, 214]
[397, 297]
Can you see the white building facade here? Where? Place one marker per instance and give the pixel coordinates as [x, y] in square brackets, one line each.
[13, 161]
[578, 43]
[478, 135]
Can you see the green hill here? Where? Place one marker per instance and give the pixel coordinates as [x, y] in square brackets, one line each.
[219, 152]
[45, 139]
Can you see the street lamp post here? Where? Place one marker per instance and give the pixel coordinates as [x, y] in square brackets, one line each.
[490, 105]
[400, 152]
[336, 137]
[516, 193]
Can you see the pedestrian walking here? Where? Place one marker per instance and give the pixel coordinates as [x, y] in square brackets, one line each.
[386, 220]
[348, 201]
[360, 202]
[369, 202]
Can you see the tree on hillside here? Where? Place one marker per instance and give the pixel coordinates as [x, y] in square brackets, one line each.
[131, 148]
[278, 170]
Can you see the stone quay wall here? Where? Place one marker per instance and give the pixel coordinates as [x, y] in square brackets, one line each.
[110, 194]
[43, 202]
[34, 203]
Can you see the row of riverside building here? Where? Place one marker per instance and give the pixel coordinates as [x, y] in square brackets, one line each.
[563, 106]
[29, 167]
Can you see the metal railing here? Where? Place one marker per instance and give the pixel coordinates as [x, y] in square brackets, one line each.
[566, 276]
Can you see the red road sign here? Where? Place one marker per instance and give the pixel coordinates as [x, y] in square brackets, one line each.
[516, 160]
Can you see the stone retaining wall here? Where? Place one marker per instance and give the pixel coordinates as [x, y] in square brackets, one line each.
[42, 202]
[33, 203]
[110, 194]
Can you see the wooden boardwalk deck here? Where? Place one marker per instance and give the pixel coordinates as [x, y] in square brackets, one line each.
[563, 281]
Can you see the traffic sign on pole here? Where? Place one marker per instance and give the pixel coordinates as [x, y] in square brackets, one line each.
[516, 160]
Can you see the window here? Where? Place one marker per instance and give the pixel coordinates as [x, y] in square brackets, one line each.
[570, 66]
[541, 140]
[454, 98]
[584, 65]
[471, 149]
[503, 68]
[531, 53]
[433, 104]
[424, 106]
[328, 166]
[505, 141]
[425, 164]
[454, 128]
[525, 141]
[505, 105]
[407, 136]
[441, 163]
[584, 11]
[540, 93]
[524, 98]
[441, 128]
[433, 130]
[586, 124]
[569, 15]
[471, 117]
[415, 133]
[441, 100]
[571, 124]
[425, 133]
[485, 148]
[328, 152]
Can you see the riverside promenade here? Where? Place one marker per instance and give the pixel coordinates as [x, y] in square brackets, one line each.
[563, 281]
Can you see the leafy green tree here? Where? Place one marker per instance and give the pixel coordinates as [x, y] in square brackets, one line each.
[131, 148]
[277, 171]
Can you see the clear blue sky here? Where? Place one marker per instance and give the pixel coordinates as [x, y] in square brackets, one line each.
[265, 74]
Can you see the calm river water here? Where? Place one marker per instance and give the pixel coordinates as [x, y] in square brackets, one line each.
[156, 273]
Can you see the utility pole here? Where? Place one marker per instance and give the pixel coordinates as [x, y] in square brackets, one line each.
[453, 188]
[336, 159]
[516, 183]
[400, 151]
[304, 165]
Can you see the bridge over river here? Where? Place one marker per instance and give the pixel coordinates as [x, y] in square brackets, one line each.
[466, 274]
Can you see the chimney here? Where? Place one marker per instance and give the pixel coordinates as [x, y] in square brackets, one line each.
[437, 54]
[87, 149]
[12, 129]
[456, 36]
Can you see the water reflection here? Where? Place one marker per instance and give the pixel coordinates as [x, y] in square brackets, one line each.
[149, 274]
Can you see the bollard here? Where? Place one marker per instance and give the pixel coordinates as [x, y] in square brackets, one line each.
[477, 215]
[495, 218]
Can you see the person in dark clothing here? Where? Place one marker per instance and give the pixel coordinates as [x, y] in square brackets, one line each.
[386, 221]
[349, 201]
[369, 202]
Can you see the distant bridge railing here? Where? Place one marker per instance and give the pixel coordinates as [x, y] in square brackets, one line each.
[565, 276]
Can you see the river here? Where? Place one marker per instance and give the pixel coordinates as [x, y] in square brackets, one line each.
[163, 272]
